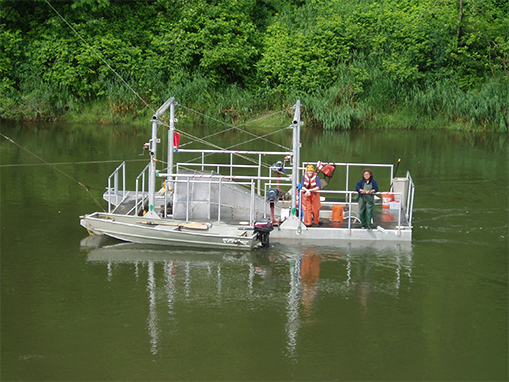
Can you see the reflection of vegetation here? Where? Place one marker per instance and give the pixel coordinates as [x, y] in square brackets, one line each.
[396, 64]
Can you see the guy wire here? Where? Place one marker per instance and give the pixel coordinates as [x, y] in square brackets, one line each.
[69, 163]
[55, 168]
[232, 127]
[148, 106]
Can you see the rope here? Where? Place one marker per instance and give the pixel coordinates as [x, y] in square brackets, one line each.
[57, 169]
[232, 127]
[70, 163]
[190, 136]
[153, 111]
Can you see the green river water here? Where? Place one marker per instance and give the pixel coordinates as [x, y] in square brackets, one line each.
[76, 310]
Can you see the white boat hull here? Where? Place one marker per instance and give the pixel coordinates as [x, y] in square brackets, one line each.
[143, 230]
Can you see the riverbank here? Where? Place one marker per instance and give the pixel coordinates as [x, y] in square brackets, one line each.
[256, 117]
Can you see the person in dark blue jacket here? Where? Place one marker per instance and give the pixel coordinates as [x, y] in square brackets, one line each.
[366, 187]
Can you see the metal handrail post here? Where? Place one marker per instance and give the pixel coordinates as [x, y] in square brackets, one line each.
[251, 206]
[411, 208]
[349, 196]
[265, 204]
[231, 164]
[143, 187]
[165, 209]
[115, 186]
[136, 196]
[220, 189]
[259, 172]
[187, 201]
[123, 180]
[410, 197]
[210, 198]
[347, 178]
[392, 178]
[109, 195]
[399, 214]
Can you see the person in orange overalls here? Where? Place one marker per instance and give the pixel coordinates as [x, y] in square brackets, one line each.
[310, 196]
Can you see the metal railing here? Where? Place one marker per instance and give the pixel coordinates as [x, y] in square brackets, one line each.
[232, 154]
[140, 196]
[220, 181]
[255, 184]
[114, 192]
[410, 199]
[349, 195]
[349, 165]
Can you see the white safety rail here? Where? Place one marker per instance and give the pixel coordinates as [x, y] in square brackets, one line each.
[348, 166]
[406, 197]
[278, 155]
[410, 200]
[350, 202]
[249, 182]
[114, 193]
[141, 195]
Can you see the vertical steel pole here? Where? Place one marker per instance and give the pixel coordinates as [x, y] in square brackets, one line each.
[347, 180]
[260, 172]
[152, 169]
[171, 147]
[296, 155]
[153, 158]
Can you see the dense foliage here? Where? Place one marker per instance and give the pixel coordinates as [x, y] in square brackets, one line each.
[389, 63]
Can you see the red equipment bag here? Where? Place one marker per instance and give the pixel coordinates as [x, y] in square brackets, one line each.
[326, 169]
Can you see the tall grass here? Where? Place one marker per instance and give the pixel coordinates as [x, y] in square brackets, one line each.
[230, 104]
[484, 108]
[39, 100]
[366, 96]
[362, 96]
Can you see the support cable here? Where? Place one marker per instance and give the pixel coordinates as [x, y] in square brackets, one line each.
[87, 188]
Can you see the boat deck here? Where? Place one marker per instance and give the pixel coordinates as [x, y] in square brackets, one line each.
[383, 217]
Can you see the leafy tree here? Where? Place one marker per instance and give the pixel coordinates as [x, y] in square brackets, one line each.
[353, 61]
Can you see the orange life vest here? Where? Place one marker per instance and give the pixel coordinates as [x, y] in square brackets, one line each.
[309, 182]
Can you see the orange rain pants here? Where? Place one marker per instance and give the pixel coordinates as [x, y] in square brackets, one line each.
[311, 208]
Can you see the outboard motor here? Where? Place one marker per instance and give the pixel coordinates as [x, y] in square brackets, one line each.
[272, 197]
[262, 228]
[278, 167]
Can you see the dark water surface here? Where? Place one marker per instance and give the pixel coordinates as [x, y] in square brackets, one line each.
[77, 310]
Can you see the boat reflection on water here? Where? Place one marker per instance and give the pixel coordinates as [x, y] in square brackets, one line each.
[289, 275]
[354, 265]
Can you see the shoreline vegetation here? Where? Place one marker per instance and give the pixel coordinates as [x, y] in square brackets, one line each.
[394, 64]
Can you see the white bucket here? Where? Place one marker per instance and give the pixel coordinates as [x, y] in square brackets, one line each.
[394, 205]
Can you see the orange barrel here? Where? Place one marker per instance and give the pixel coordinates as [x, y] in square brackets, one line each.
[337, 213]
[386, 200]
[387, 216]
